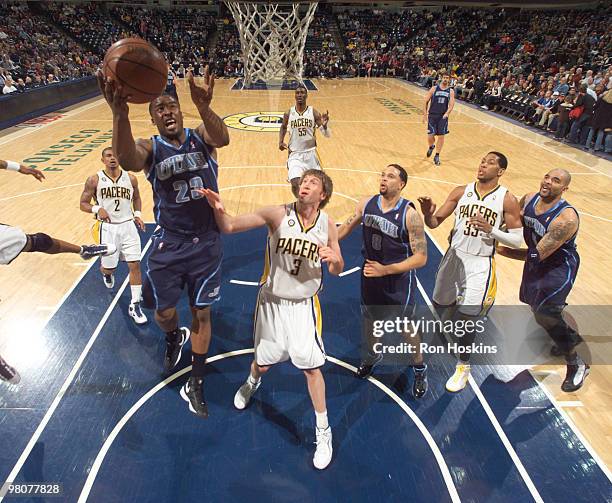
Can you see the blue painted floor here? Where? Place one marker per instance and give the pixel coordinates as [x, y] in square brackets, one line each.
[132, 434]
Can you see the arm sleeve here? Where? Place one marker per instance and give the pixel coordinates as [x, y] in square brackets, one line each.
[512, 238]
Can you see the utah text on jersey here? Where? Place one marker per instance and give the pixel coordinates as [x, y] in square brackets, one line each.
[382, 224]
[180, 163]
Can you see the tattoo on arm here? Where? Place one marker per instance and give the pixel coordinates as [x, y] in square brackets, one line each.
[350, 219]
[558, 234]
[416, 233]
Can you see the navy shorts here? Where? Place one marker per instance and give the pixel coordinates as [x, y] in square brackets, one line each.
[393, 290]
[548, 284]
[437, 125]
[178, 261]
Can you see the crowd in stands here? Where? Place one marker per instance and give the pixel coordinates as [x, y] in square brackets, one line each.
[321, 55]
[33, 53]
[536, 67]
[181, 34]
[78, 20]
[226, 59]
[551, 69]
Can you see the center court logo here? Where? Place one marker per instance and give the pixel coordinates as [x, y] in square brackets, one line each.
[255, 121]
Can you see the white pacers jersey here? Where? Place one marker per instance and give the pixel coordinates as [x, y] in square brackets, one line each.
[302, 130]
[293, 268]
[467, 238]
[116, 197]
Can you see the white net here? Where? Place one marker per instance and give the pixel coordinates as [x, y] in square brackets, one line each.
[272, 38]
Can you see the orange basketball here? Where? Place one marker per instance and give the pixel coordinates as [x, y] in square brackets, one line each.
[139, 67]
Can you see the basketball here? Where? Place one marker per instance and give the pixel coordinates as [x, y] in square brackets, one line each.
[139, 67]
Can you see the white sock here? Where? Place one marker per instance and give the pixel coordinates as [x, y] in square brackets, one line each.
[136, 293]
[322, 423]
[253, 381]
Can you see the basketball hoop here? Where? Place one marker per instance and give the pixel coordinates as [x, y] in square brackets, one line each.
[272, 38]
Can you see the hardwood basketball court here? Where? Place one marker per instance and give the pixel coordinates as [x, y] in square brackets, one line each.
[374, 122]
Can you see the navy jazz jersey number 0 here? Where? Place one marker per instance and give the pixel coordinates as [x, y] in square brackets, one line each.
[186, 250]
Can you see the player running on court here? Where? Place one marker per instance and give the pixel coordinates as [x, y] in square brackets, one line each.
[439, 104]
[302, 121]
[114, 192]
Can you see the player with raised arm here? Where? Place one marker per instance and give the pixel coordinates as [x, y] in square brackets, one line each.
[288, 323]
[186, 249]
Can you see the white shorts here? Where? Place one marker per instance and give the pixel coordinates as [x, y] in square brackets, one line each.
[12, 243]
[288, 329]
[299, 162]
[124, 236]
[466, 280]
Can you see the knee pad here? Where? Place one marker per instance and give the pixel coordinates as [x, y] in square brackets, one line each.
[40, 242]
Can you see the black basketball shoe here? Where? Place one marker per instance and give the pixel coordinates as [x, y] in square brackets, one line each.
[193, 393]
[367, 365]
[175, 348]
[576, 374]
[91, 251]
[419, 386]
[8, 373]
[430, 150]
[437, 159]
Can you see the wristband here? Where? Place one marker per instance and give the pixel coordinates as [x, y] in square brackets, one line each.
[95, 209]
[12, 166]
[137, 214]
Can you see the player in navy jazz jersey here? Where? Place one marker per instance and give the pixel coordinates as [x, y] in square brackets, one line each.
[393, 248]
[438, 106]
[550, 226]
[186, 249]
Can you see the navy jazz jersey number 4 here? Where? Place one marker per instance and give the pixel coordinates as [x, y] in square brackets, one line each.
[176, 174]
[550, 281]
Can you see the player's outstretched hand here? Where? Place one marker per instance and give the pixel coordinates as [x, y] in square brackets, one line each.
[201, 95]
[328, 255]
[373, 269]
[113, 94]
[214, 199]
[282, 146]
[24, 170]
[428, 207]
[139, 223]
[104, 216]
